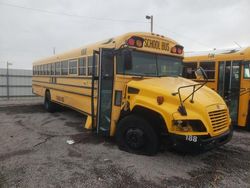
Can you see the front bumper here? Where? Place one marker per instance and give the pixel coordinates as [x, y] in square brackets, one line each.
[199, 143]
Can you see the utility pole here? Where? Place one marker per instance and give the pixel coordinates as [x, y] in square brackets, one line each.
[7, 80]
[151, 18]
[54, 50]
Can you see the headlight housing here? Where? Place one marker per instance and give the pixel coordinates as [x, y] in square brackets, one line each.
[189, 125]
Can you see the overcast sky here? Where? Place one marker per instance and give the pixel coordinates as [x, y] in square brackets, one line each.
[29, 29]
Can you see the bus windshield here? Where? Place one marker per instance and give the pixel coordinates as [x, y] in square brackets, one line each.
[147, 64]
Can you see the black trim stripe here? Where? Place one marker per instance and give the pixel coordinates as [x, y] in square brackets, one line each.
[202, 80]
[58, 76]
[62, 104]
[64, 90]
[86, 87]
[76, 109]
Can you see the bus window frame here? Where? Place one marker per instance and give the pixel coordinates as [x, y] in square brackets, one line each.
[84, 66]
[246, 64]
[70, 61]
[58, 68]
[123, 72]
[207, 71]
[193, 70]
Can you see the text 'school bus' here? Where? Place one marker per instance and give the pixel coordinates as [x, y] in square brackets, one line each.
[129, 87]
[229, 75]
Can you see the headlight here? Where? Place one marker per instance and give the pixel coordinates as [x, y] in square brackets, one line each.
[189, 125]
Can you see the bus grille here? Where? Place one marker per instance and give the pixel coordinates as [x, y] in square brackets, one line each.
[219, 120]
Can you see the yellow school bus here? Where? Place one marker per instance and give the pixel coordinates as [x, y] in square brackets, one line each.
[228, 72]
[129, 87]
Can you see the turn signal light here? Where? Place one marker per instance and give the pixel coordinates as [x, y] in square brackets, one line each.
[174, 50]
[131, 42]
[139, 43]
[178, 49]
[135, 41]
[160, 100]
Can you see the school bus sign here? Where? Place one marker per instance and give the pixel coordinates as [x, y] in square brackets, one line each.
[156, 44]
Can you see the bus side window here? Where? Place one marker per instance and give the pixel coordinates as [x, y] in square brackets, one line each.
[45, 67]
[38, 69]
[247, 70]
[53, 67]
[120, 63]
[42, 69]
[58, 68]
[90, 65]
[209, 68]
[64, 67]
[49, 69]
[82, 66]
[189, 70]
[73, 66]
[90, 62]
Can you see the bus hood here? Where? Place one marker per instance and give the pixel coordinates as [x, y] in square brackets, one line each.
[166, 86]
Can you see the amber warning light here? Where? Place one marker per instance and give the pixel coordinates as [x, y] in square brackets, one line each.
[135, 41]
[178, 49]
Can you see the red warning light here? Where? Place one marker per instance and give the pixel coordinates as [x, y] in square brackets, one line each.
[131, 42]
[173, 50]
[179, 51]
[135, 41]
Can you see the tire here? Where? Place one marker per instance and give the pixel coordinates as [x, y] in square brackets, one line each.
[135, 135]
[48, 104]
[248, 118]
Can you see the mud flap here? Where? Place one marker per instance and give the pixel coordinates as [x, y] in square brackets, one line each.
[88, 123]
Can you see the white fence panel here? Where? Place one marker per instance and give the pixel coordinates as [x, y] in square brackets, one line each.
[17, 83]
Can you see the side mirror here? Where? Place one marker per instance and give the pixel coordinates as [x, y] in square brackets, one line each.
[201, 74]
[127, 60]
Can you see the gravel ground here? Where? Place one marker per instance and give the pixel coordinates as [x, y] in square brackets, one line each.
[34, 153]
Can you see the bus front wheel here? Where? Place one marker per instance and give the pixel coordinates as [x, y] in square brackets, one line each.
[48, 104]
[134, 134]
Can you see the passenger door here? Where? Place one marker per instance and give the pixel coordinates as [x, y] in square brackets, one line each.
[244, 111]
[229, 86]
[105, 91]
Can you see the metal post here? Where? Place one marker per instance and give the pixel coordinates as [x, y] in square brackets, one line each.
[7, 77]
[151, 19]
[151, 22]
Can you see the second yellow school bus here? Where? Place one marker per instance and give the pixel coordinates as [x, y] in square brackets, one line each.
[229, 75]
[129, 87]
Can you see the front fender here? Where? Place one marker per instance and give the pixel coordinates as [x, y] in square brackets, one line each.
[151, 104]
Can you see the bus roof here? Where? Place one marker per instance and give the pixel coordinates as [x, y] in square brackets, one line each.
[115, 43]
[226, 54]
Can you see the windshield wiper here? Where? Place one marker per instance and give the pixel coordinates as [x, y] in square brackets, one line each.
[196, 87]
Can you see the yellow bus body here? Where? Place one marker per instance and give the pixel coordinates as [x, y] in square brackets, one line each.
[235, 61]
[152, 97]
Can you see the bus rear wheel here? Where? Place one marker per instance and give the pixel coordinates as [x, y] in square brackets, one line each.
[134, 134]
[48, 104]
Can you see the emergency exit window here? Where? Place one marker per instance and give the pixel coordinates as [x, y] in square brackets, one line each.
[189, 70]
[209, 68]
[247, 71]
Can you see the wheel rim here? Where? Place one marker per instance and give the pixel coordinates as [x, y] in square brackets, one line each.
[135, 138]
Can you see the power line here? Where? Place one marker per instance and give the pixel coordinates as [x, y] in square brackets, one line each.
[70, 15]
[182, 36]
[97, 18]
